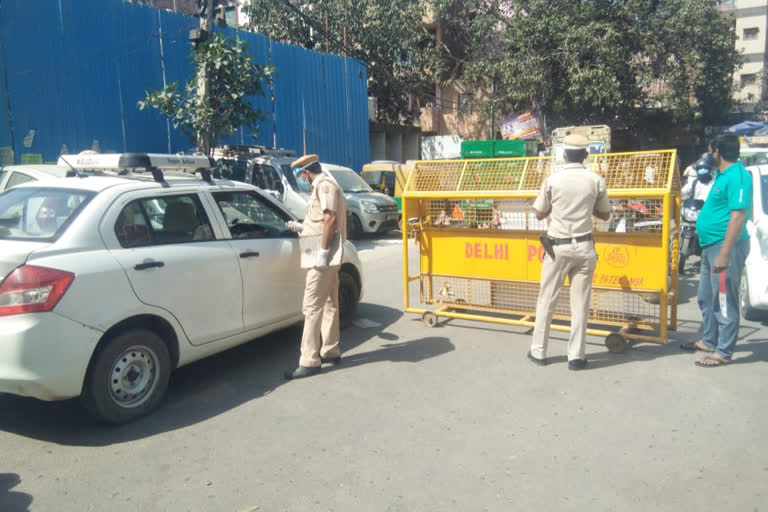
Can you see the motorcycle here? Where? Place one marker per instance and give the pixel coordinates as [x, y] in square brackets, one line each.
[689, 240]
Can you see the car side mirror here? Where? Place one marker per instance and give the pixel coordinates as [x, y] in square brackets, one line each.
[279, 188]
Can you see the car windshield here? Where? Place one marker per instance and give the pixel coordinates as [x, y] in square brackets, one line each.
[350, 182]
[372, 177]
[39, 214]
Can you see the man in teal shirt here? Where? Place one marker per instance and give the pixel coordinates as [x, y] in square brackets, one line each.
[723, 236]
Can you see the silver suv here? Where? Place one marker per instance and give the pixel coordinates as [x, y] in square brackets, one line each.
[367, 211]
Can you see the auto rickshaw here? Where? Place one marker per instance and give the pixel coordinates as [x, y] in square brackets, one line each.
[388, 177]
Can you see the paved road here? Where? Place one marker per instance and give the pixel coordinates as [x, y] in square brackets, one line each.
[446, 419]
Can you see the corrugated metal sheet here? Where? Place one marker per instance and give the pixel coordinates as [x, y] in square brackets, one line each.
[75, 70]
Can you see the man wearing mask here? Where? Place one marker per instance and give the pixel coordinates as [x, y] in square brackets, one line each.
[723, 236]
[325, 221]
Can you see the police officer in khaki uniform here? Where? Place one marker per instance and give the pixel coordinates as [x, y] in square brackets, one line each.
[326, 216]
[570, 196]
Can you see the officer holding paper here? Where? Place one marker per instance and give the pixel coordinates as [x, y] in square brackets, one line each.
[322, 239]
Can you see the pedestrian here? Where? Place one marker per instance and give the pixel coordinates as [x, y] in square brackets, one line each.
[723, 236]
[325, 222]
[570, 197]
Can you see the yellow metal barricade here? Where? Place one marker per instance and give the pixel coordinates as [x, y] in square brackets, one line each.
[480, 257]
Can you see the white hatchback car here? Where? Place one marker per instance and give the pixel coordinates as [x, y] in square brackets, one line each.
[754, 282]
[108, 283]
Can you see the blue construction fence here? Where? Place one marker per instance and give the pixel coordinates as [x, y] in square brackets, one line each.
[72, 71]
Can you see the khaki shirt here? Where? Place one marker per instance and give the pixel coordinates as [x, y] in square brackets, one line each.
[326, 195]
[571, 195]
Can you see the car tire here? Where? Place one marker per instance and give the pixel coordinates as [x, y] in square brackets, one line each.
[354, 228]
[349, 296]
[128, 377]
[747, 311]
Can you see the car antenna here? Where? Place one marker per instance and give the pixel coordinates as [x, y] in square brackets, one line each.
[71, 173]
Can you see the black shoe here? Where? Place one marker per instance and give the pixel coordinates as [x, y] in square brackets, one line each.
[577, 364]
[301, 372]
[538, 362]
[331, 360]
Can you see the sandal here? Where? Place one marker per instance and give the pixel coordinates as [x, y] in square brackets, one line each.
[712, 361]
[694, 346]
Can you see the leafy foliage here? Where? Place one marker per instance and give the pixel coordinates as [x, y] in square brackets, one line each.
[233, 81]
[584, 61]
[387, 35]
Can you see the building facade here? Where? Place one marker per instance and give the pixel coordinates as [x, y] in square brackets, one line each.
[750, 18]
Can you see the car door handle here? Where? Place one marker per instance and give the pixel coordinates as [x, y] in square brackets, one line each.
[149, 264]
[249, 254]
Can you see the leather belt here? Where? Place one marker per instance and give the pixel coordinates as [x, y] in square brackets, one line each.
[564, 241]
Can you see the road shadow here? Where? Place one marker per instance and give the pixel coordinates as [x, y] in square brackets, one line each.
[687, 287]
[413, 351]
[12, 501]
[196, 393]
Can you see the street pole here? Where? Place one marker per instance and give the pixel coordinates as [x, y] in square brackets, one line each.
[206, 21]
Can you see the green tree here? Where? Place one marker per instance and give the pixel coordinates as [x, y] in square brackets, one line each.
[387, 35]
[585, 61]
[233, 81]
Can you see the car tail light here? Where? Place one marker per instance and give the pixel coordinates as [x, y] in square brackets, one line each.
[32, 289]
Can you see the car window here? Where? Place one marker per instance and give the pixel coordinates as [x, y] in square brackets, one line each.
[265, 177]
[41, 214]
[250, 216]
[17, 178]
[163, 220]
[231, 169]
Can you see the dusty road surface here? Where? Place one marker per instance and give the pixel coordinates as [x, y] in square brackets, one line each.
[453, 418]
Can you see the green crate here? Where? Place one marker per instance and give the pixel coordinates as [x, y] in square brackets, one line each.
[477, 149]
[514, 148]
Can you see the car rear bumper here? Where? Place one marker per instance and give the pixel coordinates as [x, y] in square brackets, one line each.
[44, 355]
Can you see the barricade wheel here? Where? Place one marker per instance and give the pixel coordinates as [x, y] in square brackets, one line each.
[616, 343]
[429, 319]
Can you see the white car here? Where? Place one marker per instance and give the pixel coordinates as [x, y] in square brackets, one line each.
[13, 175]
[108, 283]
[754, 282]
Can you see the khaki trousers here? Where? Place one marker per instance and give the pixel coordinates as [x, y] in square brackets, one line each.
[321, 316]
[577, 262]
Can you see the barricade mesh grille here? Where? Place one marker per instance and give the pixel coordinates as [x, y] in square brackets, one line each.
[623, 172]
[510, 297]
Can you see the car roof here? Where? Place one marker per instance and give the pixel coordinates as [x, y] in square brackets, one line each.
[39, 170]
[133, 181]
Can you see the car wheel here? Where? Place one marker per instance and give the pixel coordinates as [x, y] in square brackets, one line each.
[747, 311]
[349, 296]
[354, 228]
[128, 377]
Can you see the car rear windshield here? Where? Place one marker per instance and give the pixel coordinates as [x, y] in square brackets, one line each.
[39, 214]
